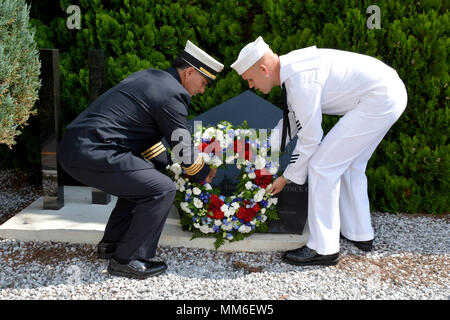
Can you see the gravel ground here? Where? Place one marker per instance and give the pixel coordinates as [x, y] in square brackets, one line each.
[411, 260]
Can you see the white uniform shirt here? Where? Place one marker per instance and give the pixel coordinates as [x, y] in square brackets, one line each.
[322, 81]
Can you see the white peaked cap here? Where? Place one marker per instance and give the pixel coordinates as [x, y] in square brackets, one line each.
[249, 55]
[200, 60]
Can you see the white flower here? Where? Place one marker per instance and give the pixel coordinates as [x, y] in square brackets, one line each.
[263, 210]
[230, 159]
[253, 222]
[252, 175]
[248, 185]
[216, 161]
[196, 191]
[244, 229]
[224, 208]
[176, 168]
[198, 203]
[230, 212]
[207, 186]
[227, 227]
[273, 170]
[206, 157]
[217, 222]
[260, 162]
[196, 225]
[188, 191]
[184, 207]
[235, 205]
[259, 195]
[206, 229]
[210, 132]
[263, 218]
[206, 135]
[272, 201]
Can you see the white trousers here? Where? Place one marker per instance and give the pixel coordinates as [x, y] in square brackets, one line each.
[338, 199]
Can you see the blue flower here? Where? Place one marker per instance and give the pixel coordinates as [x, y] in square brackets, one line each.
[222, 198]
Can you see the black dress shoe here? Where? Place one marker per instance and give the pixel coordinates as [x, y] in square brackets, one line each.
[305, 256]
[362, 245]
[105, 250]
[140, 269]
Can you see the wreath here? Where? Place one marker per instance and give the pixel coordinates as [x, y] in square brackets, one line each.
[204, 210]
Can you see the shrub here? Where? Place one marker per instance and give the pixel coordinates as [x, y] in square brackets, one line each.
[19, 69]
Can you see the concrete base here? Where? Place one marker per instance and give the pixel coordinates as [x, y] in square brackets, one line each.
[80, 221]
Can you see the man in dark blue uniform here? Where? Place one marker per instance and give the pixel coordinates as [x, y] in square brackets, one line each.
[115, 146]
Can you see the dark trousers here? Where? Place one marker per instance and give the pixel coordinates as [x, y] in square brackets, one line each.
[144, 201]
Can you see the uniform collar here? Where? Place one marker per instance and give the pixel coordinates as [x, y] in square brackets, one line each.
[297, 61]
[174, 73]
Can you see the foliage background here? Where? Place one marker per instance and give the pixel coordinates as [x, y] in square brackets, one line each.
[409, 171]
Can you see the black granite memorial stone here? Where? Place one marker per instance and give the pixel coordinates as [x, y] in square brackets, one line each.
[48, 107]
[259, 114]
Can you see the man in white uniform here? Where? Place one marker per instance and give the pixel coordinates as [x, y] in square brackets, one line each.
[370, 97]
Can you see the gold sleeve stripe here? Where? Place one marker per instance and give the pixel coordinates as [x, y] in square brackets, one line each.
[151, 153]
[152, 147]
[195, 167]
[155, 154]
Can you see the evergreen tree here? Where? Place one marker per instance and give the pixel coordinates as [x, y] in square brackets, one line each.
[19, 69]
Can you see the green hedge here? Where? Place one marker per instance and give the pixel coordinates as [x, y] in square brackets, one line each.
[409, 171]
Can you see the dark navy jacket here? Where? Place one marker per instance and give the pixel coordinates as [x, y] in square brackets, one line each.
[111, 134]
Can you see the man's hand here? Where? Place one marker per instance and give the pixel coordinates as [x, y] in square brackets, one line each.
[278, 185]
[211, 175]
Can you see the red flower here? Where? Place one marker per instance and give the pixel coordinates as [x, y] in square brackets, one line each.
[214, 207]
[243, 148]
[211, 147]
[262, 180]
[247, 214]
